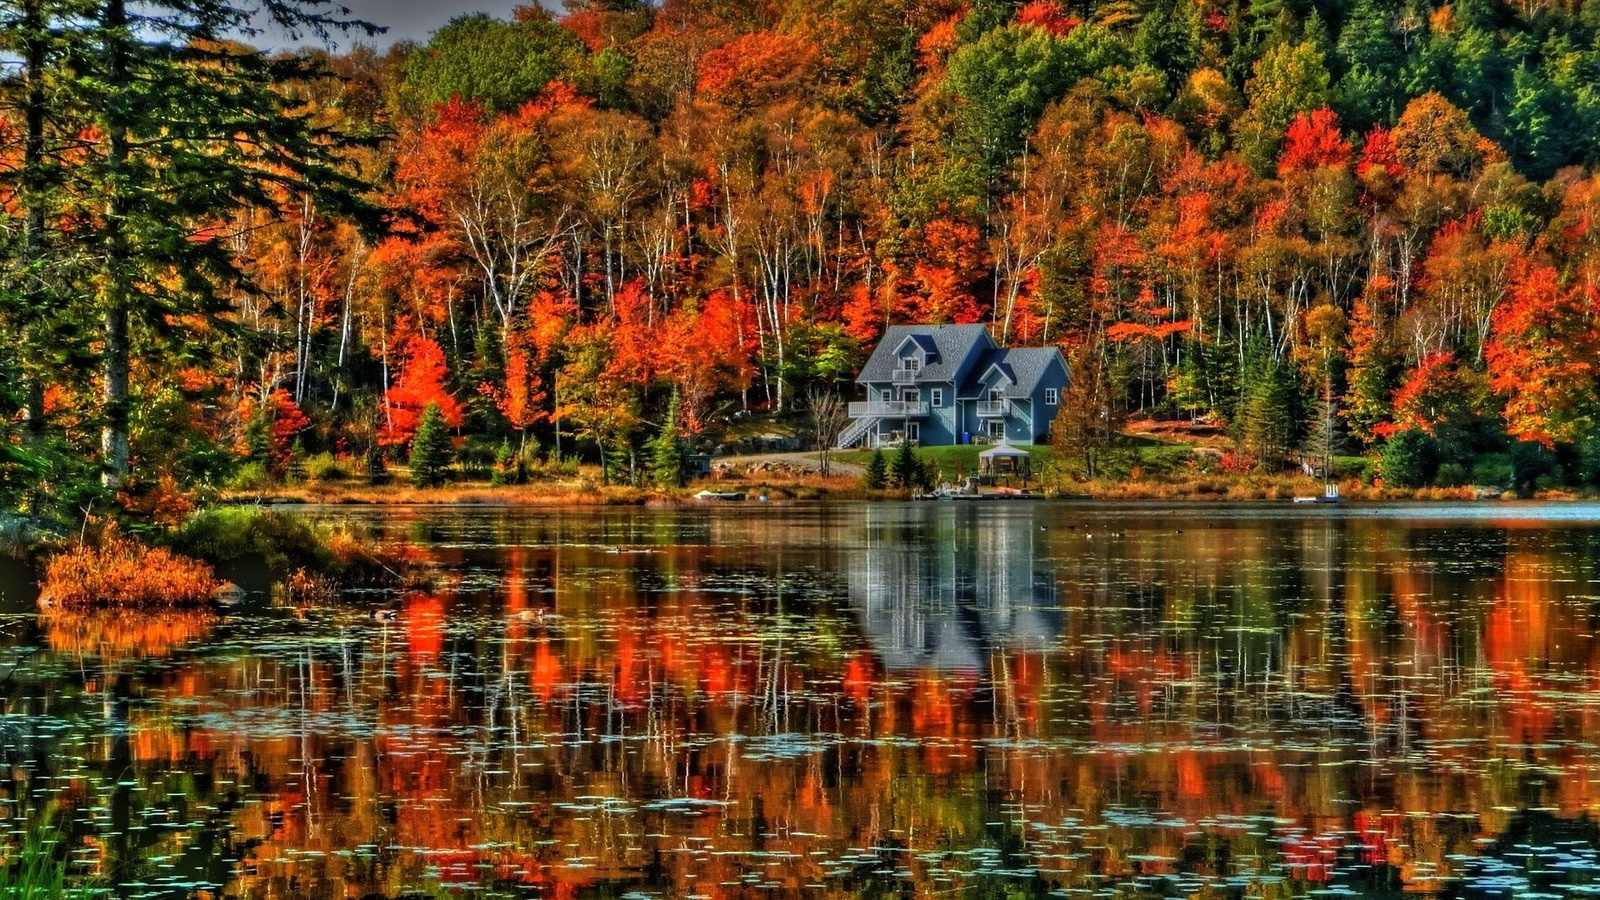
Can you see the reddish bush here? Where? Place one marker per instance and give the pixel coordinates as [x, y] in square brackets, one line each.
[124, 573]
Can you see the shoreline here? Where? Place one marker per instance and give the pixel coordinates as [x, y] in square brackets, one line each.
[1259, 489]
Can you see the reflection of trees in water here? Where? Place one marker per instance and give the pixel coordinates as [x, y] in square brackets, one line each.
[1228, 701]
[941, 586]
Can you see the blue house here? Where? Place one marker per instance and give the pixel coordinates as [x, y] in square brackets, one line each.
[937, 385]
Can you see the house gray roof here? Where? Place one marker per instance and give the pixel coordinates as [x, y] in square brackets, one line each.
[926, 342]
[1025, 366]
[952, 344]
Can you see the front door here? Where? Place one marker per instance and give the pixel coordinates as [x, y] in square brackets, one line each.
[914, 432]
[997, 429]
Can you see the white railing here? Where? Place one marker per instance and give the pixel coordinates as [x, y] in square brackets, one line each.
[855, 431]
[888, 409]
[994, 409]
[904, 376]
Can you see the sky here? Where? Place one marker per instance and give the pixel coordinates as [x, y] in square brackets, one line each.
[415, 19]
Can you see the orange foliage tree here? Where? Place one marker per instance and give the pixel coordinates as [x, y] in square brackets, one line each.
[1544, 356]
[423, 381]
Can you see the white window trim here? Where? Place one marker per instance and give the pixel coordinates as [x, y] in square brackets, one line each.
[936, 396]
[1051, 396]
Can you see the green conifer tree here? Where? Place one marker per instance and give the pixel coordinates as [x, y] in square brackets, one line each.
[188, 128]
[667, 465]
[876, 478]
[903, 471]
[430, 449]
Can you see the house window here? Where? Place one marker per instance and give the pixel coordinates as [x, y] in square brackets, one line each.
[936, 397]
[1051, 397]
[911, 364]
[997, 429]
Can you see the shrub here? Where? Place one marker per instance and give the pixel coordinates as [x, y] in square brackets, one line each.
[477, 457]
[125, 573]
[227, 534]
[287, 544]
[1492, 470]
[305, 587]
[326, 467]
[252, 476]
[1236, 462]
[1409, 460]
[377, 472]
[1530, 462]
[1587, 467]
[1451, 474]
[505, 466]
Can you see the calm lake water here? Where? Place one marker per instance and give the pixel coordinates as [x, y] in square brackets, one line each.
[1006, 700]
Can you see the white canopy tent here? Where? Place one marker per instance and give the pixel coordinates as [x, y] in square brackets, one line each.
[1004, 459]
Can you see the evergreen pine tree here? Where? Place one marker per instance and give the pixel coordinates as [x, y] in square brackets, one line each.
[258, 436]
[430, 449]
[903, 471]
[1269, 410]
[666, 451]
[876, 478]
[296, 469]
[183, 128]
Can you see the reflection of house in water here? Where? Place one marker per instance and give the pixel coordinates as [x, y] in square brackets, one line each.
[940, 585]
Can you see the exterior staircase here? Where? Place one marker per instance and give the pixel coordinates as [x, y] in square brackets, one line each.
[857, 430]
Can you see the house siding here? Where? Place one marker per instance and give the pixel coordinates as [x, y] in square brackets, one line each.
[963, 363]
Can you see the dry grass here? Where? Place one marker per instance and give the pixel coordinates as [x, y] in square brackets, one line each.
[123, 573]
[303, 587]
[1220, 486]
[477, 494]
[1251, 487]
[582, 493]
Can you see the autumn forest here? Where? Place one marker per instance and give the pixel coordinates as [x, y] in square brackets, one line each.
[1322, 227]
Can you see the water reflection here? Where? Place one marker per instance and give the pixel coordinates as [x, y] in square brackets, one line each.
[942, 585]
[997, 700]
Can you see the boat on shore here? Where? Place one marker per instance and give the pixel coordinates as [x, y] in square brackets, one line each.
[727, 496]
[1330, 494]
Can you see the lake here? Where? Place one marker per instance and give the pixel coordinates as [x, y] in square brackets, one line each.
[740, 700]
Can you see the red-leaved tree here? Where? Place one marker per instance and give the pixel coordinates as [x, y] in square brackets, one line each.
[422, 381]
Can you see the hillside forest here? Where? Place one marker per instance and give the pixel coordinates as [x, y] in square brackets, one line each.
[1323, 227]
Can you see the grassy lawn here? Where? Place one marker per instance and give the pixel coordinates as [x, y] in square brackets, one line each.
[952, 460]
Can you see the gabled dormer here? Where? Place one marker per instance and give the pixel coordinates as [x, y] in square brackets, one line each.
[995, 378]
[919, 354]
[913, 354]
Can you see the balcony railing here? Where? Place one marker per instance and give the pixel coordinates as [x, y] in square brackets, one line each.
[994, 409]
[904, 376]
[888, 409]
